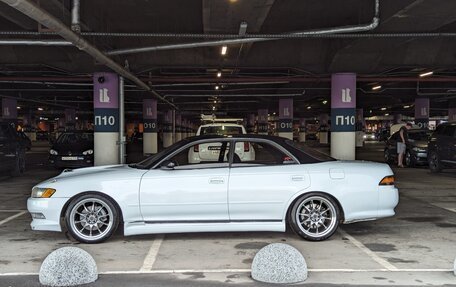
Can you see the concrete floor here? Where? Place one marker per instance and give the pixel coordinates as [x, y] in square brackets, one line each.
[415, 247]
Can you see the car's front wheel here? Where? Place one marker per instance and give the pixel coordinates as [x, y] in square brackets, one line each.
[434, 162]
[314, 217]
[91, 218]
[409, 160]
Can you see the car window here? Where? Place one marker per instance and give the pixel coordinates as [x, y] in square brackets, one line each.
[74, 138]
[221, 130]
[259, 153]
[419, 136]
[202, 155]
[306, 154]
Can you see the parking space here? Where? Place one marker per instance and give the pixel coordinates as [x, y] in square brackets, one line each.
[417, 243]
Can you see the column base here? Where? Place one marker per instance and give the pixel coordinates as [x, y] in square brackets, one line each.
[343, 145]
[150, 145]
[288, 135]
[106, 149]
[302, 137]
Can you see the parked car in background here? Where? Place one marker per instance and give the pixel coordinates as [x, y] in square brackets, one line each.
[285, 185]
[416, 147]
[369, 136]
[72, 149]
[383, 135]
[442, 147]
[311, 137]
[42, 136]
[12, 151]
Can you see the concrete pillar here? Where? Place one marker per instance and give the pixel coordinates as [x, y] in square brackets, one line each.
[397, 118]
[263, 125]
[452, 111]
[178, 127]
[168, 128]
[285, 126]
[106, 118]
[302, 130]
[422, 113]
[70, 119]
[9, 110]
[324, 128]
[185, 133]
[359, 126]
[343, 116]
[150, 142]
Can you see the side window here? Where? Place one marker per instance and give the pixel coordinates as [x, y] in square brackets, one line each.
[259, 153]
[200, 155]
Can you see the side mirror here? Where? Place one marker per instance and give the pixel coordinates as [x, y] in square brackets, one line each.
[168, 165]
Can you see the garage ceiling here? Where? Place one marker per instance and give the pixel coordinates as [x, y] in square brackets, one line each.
[254, 75]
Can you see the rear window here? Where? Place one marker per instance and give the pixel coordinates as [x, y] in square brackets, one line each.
[419, 136]
[308, 155]
[221, 130]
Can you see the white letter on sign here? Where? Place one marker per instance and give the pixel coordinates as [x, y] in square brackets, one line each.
[346, 96]
[339, 120]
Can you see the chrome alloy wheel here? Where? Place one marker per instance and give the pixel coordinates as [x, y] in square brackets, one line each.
[91, 219]
[316, 216]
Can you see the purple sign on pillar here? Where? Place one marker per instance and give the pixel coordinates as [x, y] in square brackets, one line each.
[422, 113]
[343, 102]
[285, 116]
[178, 123]
[70, 115]
[251, 123]
[302, 125]
[168, 122]
[106, 102]
[263, 125]
[452, 114]
[9, 109]
[150, 115]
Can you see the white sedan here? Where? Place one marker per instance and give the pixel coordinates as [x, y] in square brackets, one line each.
[285, 183]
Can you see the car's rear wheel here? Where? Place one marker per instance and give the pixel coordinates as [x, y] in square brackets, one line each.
[434, 162]
[315, 217]
[91, 218]
[409, 160]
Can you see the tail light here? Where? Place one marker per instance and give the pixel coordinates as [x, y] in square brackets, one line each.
[196, 148]
[387, 180]
[246, 146]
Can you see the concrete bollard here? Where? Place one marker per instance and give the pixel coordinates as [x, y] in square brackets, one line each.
[279, 263]
[68, 266]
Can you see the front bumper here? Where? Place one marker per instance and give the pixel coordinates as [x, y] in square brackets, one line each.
[51, 209]
[59, 161]
[420, 157]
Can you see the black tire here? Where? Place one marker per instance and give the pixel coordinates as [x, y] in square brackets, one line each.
[89, 214]
[434, 162]
[409, 159]
[387, 156]
[312, 203]
[19, 164]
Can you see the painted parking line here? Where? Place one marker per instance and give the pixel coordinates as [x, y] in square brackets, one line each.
[151, 256]
[182, 271]
[12, 217]
[12, 210]
[372, 255]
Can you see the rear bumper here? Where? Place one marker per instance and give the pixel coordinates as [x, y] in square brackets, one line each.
[388, 199]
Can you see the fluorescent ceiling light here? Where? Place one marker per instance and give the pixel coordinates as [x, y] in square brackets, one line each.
[406, 107]
[376, 87]
[217, 87]
[219, 74]
[383, 109]
[426, 74]
[40, 109]
[224, 49]
[325, 102]
[18, 107]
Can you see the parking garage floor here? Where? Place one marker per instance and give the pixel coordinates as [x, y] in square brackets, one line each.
[415, 247]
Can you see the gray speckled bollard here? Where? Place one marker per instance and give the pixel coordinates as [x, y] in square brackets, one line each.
[68, 266]
[279, 263]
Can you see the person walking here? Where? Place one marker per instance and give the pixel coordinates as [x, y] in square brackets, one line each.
[402, 143]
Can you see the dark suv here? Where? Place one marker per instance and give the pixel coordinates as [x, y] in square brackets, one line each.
[416, 148]
[442, 147]
[12, 151]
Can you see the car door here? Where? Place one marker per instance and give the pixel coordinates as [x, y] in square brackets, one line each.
[260, 188]
[179, 191]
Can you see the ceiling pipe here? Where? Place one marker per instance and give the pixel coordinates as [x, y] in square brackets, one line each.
[345, 29]
[75, 22]
[25, 42]
[35, 12]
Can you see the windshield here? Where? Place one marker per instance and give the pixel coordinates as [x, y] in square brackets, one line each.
[419, 136]
[221, 130]
[74, 138]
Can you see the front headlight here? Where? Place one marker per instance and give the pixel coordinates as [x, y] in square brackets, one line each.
[364, 136]
[53, 152]
[39, 192]
[87, 152]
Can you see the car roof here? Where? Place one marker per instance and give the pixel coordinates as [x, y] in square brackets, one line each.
[221, 124]
[238, 136]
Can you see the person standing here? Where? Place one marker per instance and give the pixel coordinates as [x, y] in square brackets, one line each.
[402, 143]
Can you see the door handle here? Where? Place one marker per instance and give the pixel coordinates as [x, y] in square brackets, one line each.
[297, 178]
[216, 180]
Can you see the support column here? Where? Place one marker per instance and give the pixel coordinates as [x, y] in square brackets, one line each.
[150, 143]
[324, 129]
[343, 116]
[70, 119]
[302, 130]
[250, 124]
[168, 129]
[263, 125]
[178, 127]
[285, 127]
[9, 110]
[422, 113]
[359, 126]
[106, 118]
[452, 111]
